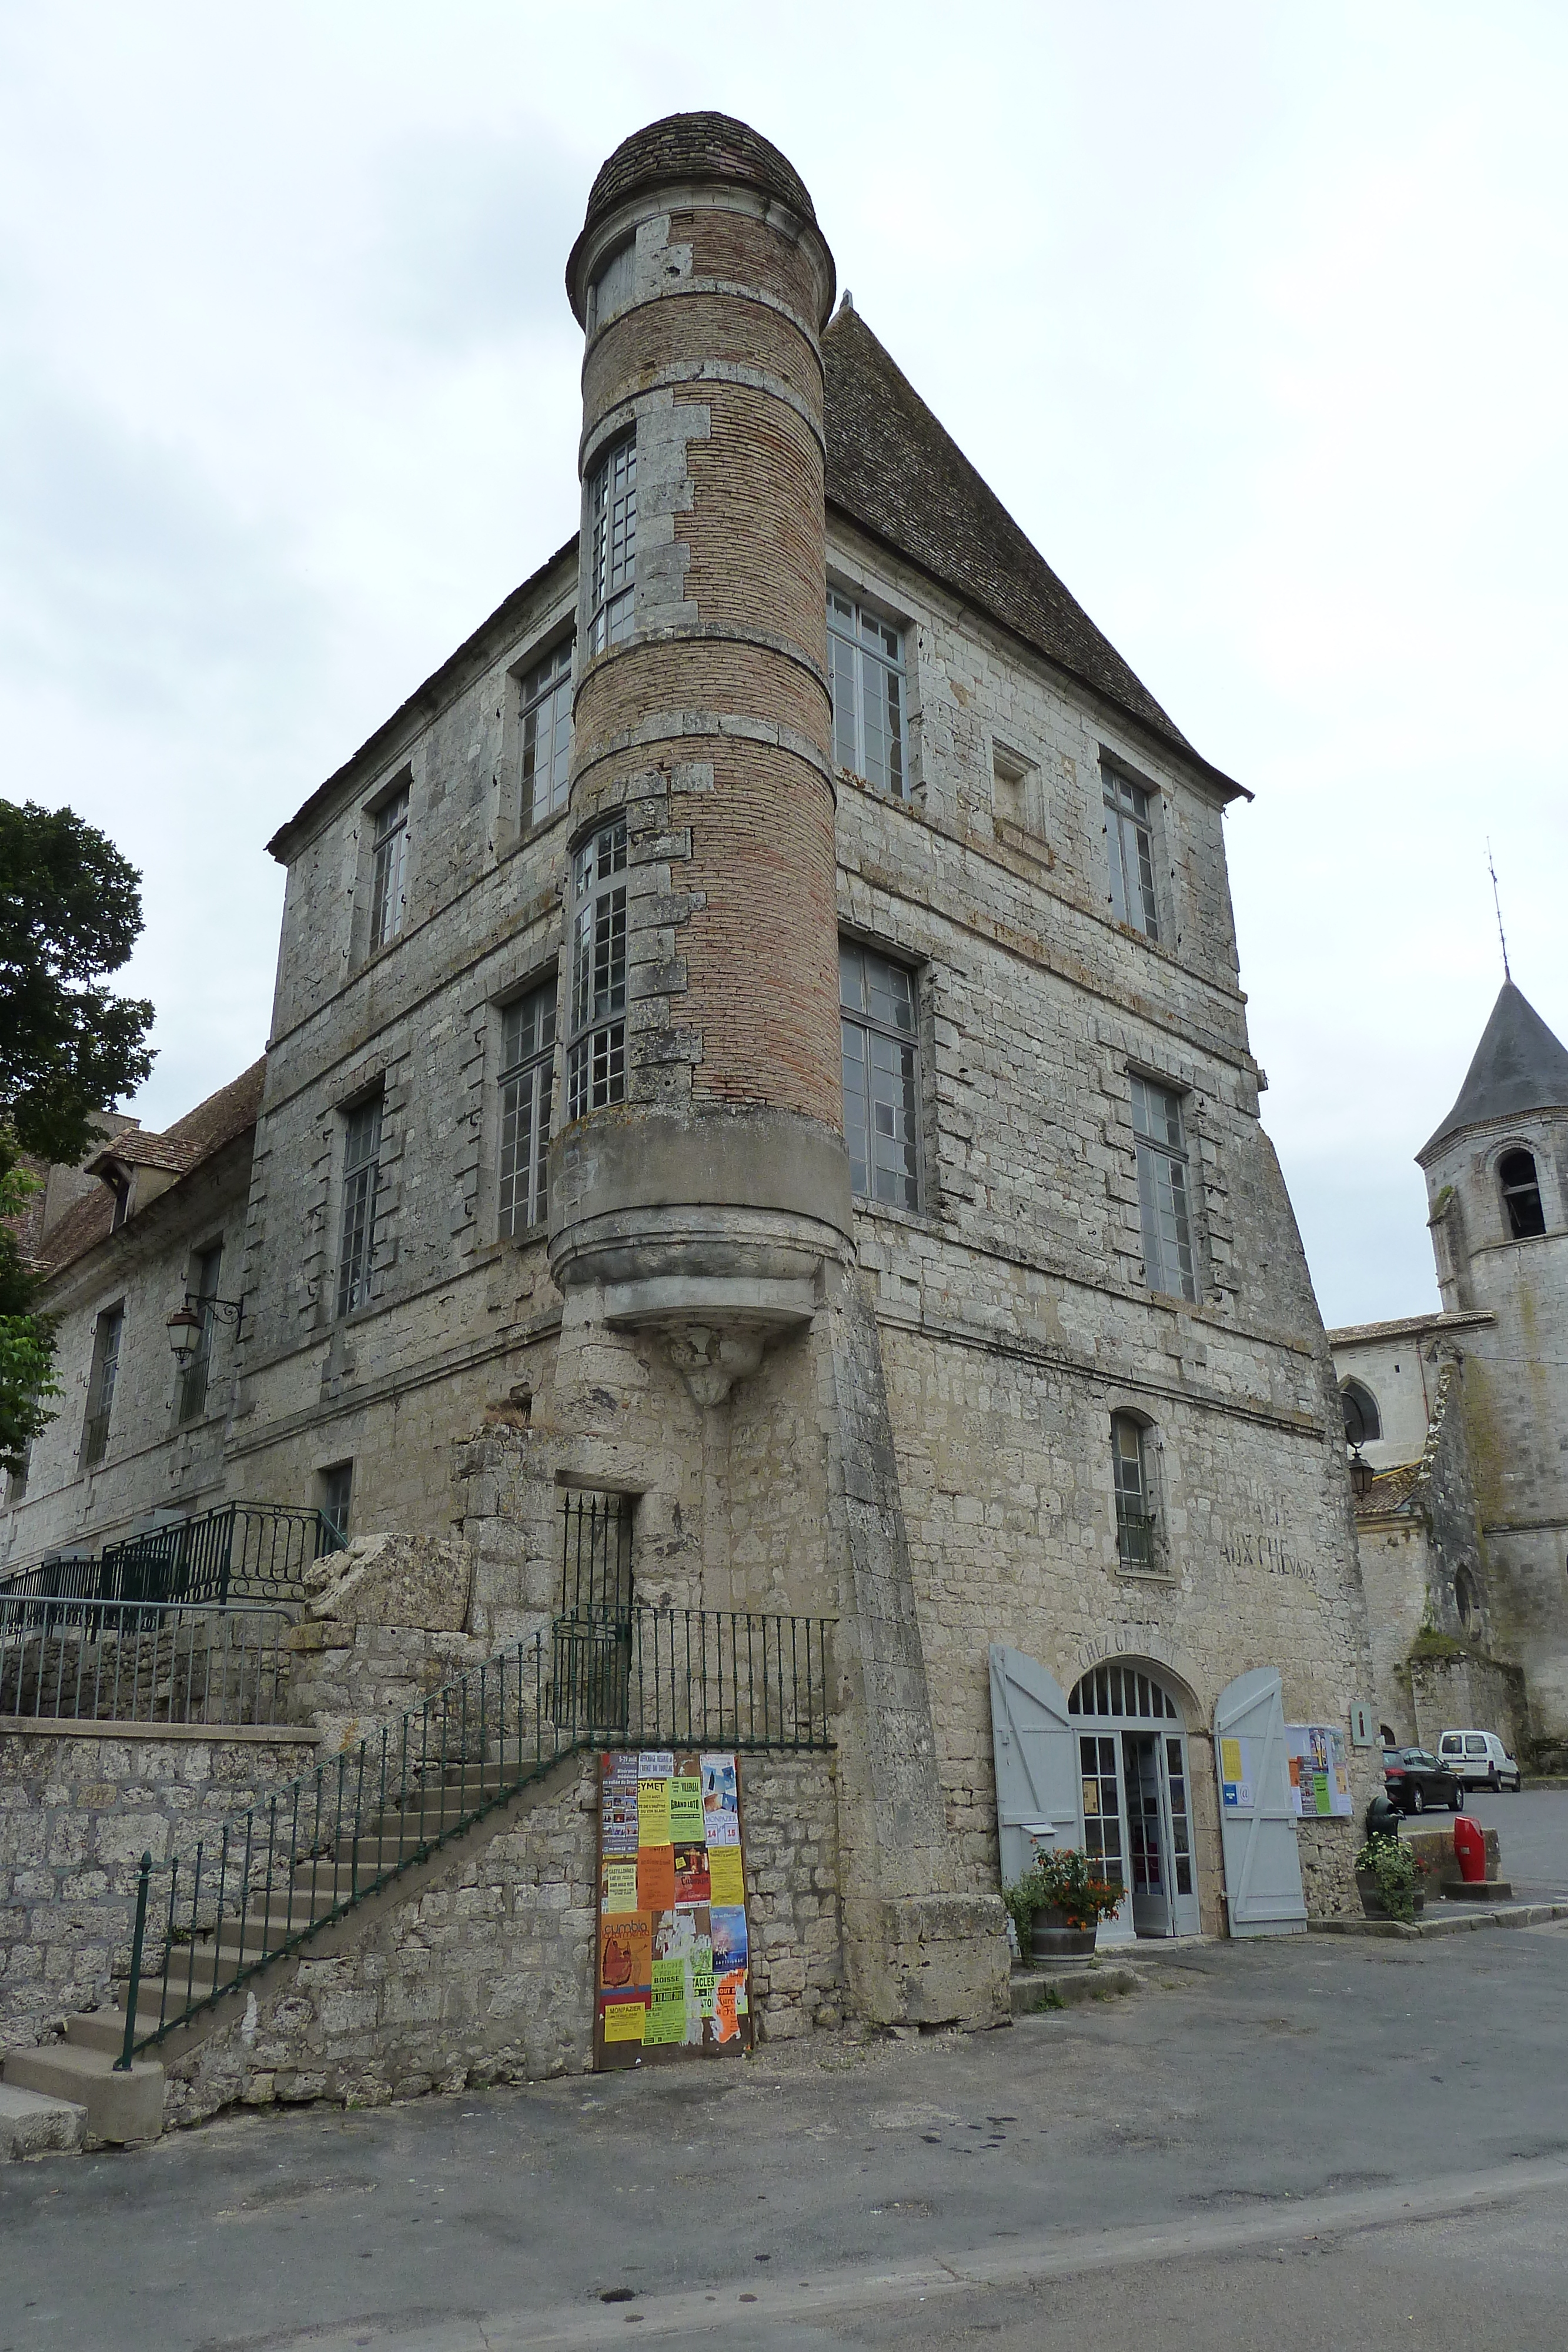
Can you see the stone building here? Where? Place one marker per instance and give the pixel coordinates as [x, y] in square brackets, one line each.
[1464, 1532]
[149, 1222]
[758, 1032]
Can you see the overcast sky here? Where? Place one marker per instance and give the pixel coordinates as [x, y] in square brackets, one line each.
[1256, 315]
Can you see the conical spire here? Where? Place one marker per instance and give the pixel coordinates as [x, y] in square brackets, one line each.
[1518, 1066]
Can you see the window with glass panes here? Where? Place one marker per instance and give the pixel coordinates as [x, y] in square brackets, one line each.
[1130, 838]
[362, 1181]
[596, 1055]
[612, 545]
[528, 1064]
[101, 1392]
[389, 868]
[865, 658]
[882, 1094]
[1163, 1194]
[547, 735]
[1135, 1516]
[205, 1278]
[1102, 1805]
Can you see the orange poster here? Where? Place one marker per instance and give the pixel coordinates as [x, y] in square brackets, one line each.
[626, 1952]
[656, 1878]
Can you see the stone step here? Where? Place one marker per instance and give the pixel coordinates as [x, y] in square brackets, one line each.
[121, 2108]
[31, 2124]
[104, 2028]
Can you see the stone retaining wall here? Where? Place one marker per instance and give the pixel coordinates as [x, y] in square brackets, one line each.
[484, 1972]
[77, 1810]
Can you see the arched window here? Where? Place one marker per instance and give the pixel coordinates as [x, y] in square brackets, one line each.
[1521, 1195]
[1467, 1600]
[1134, 1504]
[1361, 1421]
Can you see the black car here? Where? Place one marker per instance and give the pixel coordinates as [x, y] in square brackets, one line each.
[1414, 1780]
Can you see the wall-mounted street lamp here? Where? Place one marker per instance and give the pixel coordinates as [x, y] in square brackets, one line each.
[187, 1322]
[1362, 1474]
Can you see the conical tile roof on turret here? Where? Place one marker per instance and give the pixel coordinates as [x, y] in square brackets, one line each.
[1517, 1066]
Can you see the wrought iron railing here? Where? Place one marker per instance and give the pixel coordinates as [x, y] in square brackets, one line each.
[140, 1662]
[1136, 1539]
[256, 1885]
[239, 1551]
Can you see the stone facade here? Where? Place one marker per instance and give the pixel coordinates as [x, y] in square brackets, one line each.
[893, 1413]
[1496, 1487]
[483, 1974]
[77, 1810]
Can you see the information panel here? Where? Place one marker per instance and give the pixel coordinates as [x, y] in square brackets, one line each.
[674, 1956]
[1320, 1776]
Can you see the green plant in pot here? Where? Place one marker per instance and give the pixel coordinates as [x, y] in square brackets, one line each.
[1388, 1874]
[1057, 1906]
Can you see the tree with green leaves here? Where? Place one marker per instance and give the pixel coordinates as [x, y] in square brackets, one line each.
[70, 913]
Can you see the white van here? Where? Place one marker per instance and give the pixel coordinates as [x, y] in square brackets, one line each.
[1478, 1758]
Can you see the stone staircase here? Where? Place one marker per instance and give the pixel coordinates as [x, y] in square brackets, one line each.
[64, 2096]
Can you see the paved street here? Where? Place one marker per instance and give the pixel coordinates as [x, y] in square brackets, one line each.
[1533, 1827]
[1315, 2140]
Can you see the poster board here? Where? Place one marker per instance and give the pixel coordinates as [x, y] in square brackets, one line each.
[673, 1975]
[1320, 1774]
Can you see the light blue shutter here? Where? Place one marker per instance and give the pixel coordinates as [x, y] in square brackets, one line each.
[1262, 1870]
[1035, 1747]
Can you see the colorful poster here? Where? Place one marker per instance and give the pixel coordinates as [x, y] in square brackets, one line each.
[674, 1948]
[1237, 1775]
[625, 1953]
[686, 1810]
[1320, 1771]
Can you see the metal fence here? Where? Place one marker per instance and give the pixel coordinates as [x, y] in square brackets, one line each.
[257, 1886]
[240, 1551]
[140, 1662]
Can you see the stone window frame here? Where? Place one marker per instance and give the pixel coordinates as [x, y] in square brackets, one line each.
[1190, 1157]
[1125, 1415]
[192, 1382]
[352, 1295]
[1372, 1436]
[103, 1378]
[335, 1496]
[541, 1066]
[597, 1042]
[610, 586]
[885, 613]
[1504, 1150]
[519, 822]
[918, 967]
[1014, 769]
[1162, 934]
[365, 945]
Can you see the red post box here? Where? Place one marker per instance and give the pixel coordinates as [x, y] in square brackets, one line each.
[1471, 1847]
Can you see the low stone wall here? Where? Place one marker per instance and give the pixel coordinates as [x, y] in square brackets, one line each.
[348, 1681]
[78, 1807]
[484, 1972]
[1327, 1852]
[1466, 1690]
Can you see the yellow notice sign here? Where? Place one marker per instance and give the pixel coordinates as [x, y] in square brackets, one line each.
[666, 2026]
[624, 2021]
[652, 1812]
[1231, 1759]
[620, 1886]
[670, 1983]
[726, 1879]
[686, 1812]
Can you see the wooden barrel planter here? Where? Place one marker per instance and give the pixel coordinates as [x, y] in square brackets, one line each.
[1051, 1937]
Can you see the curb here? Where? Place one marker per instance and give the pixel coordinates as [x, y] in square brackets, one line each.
[1507, 1914]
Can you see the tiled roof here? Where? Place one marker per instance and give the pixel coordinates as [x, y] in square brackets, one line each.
[1389, 1490]
[1518, 1066]
[184, 1147]
[896, 471]
[1406, 1327]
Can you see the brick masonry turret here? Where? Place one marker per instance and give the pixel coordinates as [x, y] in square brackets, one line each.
[702, 715]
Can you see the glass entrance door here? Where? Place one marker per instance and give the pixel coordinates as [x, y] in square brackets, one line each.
[1136, 1823]
[1146, 1851]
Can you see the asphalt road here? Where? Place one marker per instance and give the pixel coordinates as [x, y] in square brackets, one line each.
[1313, 2142]
[1533, 1828]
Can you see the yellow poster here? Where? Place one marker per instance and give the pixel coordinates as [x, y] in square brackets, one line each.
[620, 1886]
[624, 2021]
[670, 1983]
[686, 1811]
[1231, 1759]
[652, 1812]
[725, 1877]
[666, 2025]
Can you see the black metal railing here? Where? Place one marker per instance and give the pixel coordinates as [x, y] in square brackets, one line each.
[142, 1662]
[1135, 1536]
[595, 1556]
[239, 1551]
[255, 1886]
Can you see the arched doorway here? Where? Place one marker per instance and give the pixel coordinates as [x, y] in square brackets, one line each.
[1137, 1810]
